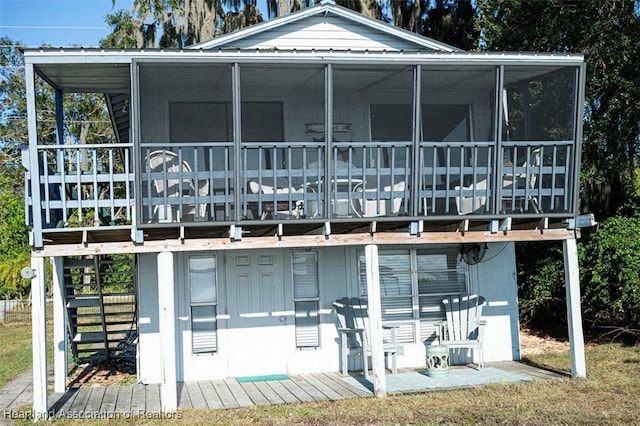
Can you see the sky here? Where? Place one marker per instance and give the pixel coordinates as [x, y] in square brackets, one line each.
[58, 23]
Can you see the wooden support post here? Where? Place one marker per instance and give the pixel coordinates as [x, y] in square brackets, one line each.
[39, 338]
[375, 320]
[166, 305]
[59, 327]
[574, 314]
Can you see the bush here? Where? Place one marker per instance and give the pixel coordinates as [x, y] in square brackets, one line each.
[610, 275]
[541, 292]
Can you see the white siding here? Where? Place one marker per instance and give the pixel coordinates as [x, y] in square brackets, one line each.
[324, 32]
[493, 278]
[149, 362]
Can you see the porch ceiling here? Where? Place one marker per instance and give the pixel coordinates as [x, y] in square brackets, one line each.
[87, 78]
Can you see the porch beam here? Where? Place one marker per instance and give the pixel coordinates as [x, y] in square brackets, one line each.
[375, 320]
[497, 125]
[39, 338]
[328, 137]
[293, 241]
[236, 102]
[34, 169]
[166, 305]
[59, 327]
[416, 136]
[581, 76]
[574, 314]
[137, 235]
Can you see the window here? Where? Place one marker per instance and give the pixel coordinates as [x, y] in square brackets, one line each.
[439, 273]
[203, 304]
[420, 279]
[306, 299]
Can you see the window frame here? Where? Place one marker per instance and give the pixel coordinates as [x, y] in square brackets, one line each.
[421, 328]
[316, 299]
[214, 302]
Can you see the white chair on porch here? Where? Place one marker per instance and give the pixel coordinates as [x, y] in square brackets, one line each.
[464, 327]
[271, 204]
[353, 329]
[164, 161]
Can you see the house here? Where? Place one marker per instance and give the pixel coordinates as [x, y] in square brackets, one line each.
[262, 175]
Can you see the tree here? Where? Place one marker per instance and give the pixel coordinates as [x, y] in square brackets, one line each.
[14, 243]
[608, 32]
[178, 23]
[451, 22]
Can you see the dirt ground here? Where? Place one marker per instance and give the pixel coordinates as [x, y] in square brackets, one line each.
[532, 343]
[102, 374]
[124, 373]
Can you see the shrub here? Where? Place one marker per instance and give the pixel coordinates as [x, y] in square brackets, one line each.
[610, 275]
[541, 292]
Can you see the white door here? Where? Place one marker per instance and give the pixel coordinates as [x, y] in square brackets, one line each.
[257, 325]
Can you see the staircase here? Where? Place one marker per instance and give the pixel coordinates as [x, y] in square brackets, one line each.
[101, 307]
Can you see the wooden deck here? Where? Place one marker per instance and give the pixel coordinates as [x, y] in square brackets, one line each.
[138, 399]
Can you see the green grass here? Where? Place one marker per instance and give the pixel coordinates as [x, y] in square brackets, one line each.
[15, 351]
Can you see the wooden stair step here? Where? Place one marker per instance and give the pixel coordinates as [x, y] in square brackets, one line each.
[78, 263]
[89, 337]
[84, 302]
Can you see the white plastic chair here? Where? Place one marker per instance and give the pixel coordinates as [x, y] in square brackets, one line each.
[167, 162]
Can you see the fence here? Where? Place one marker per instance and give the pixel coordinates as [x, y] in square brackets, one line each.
[19, 311]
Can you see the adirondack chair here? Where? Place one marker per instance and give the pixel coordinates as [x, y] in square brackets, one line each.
[464, 327]
[353, 328]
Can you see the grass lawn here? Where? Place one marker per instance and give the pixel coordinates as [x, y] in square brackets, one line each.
[15, 350]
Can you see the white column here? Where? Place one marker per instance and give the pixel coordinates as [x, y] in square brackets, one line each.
[167, 321]
[39, 338]
[375, 320]
[574, 314]
[59, 327]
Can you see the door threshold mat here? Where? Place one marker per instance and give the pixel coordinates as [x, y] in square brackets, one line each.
[264, 378]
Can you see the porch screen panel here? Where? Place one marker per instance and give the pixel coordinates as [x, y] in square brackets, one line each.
[440, 273]
[203, 304]
[538, 122]
[306, 299]
[456, 154]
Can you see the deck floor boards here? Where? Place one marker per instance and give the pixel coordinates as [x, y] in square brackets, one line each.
[109, 399]
[238, 393]
[94, 404]
[80, 401]
[227, 398]
[64, 403]
[183, 396]
[322, 387]
[349, 390]
[296, 390]
[271, 395]
[210, 395]
[311, 390]
[139, 399]
[282, 392]
[123, 404]
[195, 395]
[153, 399]
[254, 393]
[229, 393]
